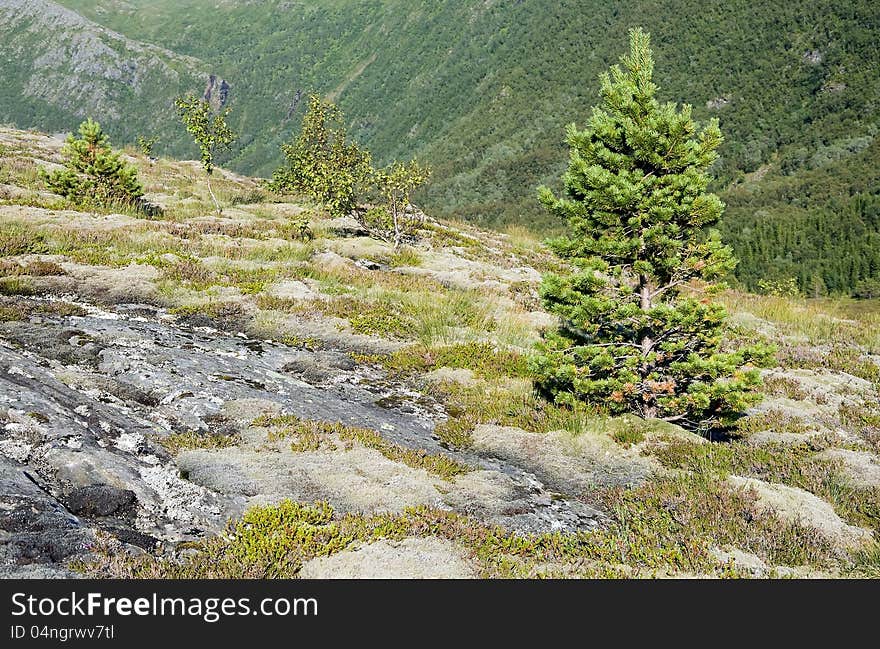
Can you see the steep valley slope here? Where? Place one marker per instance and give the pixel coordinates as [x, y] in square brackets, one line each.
[482, 92]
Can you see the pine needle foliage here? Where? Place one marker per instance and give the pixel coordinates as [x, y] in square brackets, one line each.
[639, 330]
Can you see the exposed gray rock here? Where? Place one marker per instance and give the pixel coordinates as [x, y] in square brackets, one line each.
[34, 527]
[414, 558]
[568, 463]
[318, 367]
[84, 401]
[101, 500]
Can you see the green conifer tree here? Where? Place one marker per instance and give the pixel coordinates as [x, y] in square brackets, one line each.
[94, 174]
[639, 332]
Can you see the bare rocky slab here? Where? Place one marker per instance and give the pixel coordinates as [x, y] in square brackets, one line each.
[413, 558]
[85, 400]
[572, 464]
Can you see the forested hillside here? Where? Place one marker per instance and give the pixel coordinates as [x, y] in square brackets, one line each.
[482, 91]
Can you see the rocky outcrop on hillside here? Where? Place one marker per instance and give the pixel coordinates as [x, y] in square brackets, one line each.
[84, 69]
[85, 401]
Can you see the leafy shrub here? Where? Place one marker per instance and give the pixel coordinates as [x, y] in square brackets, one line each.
[787, 287]
[209, 131]
[147, 144]
[395, 219]
[321, 163]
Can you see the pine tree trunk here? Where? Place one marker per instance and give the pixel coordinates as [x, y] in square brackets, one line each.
[645, 304]
[647, 342]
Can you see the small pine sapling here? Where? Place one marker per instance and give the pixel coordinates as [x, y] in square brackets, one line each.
[94, 174]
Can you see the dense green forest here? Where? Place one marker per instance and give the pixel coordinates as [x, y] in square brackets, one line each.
[482, 90]
[819, 223]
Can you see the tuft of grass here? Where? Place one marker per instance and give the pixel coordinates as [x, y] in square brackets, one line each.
[307, 343]
[633, 432]
[405, 256]
[191, 272]
[268, 542]
[457, 432]
[177, 442]
[866, 562]
[372, 318]
[821, 321]
[215, 310]
[13, 313]
[836, 357]
[438, 318]
[514, 404]
[310, 435]
[484, 359]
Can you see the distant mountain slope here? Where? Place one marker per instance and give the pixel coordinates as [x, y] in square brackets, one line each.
[482, 90]
[58, 67]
